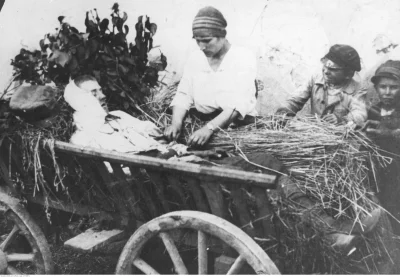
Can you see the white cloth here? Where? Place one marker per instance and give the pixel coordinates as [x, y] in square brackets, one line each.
[385, 112]
[230, 87]
[126, 134]
[89, 114]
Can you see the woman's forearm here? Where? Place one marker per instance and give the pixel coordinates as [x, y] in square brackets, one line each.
[178, 115]
[224, 118]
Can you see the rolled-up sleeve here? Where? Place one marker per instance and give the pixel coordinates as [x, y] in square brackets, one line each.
[242, 97]
[297, 101]
[184, 95]
[357, 108]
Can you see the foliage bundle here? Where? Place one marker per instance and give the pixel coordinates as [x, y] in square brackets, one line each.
[121, 68]
[102, 51]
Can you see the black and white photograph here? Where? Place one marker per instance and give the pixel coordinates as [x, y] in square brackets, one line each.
[200, 137]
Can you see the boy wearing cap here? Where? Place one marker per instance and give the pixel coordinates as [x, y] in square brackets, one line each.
[218, 80]
[383, 126]
[335, 95]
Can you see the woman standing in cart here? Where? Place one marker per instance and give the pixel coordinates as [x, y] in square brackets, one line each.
[218, 81]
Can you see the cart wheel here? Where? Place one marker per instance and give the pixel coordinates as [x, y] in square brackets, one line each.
[23, 247]
[206, 225]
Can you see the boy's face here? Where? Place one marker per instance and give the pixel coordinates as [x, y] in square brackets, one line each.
[95, 89]
[388, 90]
[333, 73]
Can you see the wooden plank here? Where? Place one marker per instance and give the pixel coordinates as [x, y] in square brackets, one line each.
[242, 209]
[73, 208]
[214, 172]
[202, 253]
[218, 206]
[139, 181]
[91, 239]
[73, 179]
[102, 170]
[215, 199]
[175, 184]
[19, 257]
[99, 192]
[17, 162]
[160, 186]
[198, 195]
[4, 174]
[126, 193]
[264, 211]
[108, 181]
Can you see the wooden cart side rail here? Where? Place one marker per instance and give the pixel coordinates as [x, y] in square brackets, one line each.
[153, 187]
[216, 173]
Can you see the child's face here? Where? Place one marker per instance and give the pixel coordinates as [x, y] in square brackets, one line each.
[389, 92]
[333, 73]
[95, 89]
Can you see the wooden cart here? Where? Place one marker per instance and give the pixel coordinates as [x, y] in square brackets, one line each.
[149, 197]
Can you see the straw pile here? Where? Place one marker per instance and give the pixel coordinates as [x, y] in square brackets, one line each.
[27, 142]
[333, 165]
[330, 163]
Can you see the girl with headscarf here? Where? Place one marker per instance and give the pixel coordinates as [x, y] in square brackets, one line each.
[218, 81]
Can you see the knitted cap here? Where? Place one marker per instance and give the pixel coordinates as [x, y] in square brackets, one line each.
[344, 55]
[209, 22]
[389, 69]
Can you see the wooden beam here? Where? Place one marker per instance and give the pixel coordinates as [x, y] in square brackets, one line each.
[78, 209]
[214, 172]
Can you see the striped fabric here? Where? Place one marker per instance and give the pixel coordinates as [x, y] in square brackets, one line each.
[209, 22]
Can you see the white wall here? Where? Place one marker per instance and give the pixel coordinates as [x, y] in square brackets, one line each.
[288, 36]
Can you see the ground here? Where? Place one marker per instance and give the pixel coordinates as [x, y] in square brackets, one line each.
[68, 261]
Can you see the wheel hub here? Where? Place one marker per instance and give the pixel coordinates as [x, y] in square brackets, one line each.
[3, 262]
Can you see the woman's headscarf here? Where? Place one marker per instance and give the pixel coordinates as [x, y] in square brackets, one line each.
[209, 22]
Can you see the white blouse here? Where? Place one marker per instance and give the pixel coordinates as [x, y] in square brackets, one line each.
[231, 86]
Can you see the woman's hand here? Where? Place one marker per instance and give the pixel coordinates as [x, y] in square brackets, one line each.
[330, 118]
[200, 137]
[173, 132]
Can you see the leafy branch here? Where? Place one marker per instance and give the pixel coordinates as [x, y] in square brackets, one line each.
[120, 68]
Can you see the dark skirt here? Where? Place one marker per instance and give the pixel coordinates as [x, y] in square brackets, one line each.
[248, 119]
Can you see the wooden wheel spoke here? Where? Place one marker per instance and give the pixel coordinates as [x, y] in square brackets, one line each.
[20, 257]
[208, 228]
[174, 253]
[145, 267]
[9, 238]
[202, 248]
[237, 265]
[13, 271]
